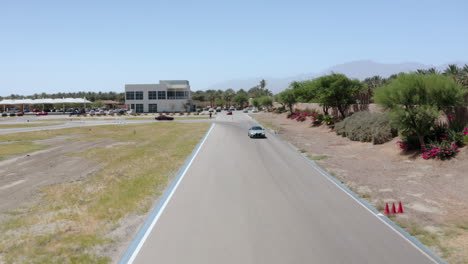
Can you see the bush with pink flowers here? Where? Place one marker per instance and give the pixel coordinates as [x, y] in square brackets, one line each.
[465, 136]
[300, 116]
[403, 145]
[443, 150]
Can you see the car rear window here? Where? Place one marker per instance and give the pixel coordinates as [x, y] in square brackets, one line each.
[257, 128]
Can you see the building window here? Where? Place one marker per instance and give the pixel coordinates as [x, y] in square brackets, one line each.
[138, 95]
[152, 95]
[171, 95]
[130, 95]
[139, 108]
[162, 95]
[181, 95]
[152, 108]
[132, 106]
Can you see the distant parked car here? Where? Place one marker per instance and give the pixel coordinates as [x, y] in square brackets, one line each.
[12, 114]
[164, 117]
[256, 131]
[245, 110]
[4, 114]
[218, 109]
[41, 113]
[255, 111]
[20, 114]
[229, 113]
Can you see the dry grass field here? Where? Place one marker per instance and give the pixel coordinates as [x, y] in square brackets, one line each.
[76, 199]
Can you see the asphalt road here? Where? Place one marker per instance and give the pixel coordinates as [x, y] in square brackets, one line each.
[258, 201]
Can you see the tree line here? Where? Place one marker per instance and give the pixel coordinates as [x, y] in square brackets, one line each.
[414, 101]
[211, 97]
[91, 96]
[338, 91]
[230, 96]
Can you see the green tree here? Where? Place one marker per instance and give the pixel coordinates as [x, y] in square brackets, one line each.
[257, 91]
[337, 90]
[199, 96]
[228, 95]
[304, 91]
[262, 84]
[240, 99]
[287, 97]
[211, 96]
[266, 101]
[415, 101]
[256, 102]
[220, 102]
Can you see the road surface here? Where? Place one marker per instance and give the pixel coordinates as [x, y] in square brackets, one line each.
[248, 200]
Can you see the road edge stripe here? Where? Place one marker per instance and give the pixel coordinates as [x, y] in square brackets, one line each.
[135, 246]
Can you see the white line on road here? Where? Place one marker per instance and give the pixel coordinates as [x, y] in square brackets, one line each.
[378, 215]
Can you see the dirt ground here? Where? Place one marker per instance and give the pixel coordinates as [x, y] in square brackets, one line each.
[433, 192]
[23, 175]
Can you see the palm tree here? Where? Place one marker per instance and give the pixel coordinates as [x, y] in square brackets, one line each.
[421, 71]
[432, 71]
[228, 95]
[262, 84]
[452, 70]
[372, 83]
[211, 96]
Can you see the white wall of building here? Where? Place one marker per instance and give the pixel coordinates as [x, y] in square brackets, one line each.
[165, 105]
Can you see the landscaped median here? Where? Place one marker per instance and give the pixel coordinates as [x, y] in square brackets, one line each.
[85, 220]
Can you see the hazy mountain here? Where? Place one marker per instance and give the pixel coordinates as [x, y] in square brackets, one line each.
[356, 69]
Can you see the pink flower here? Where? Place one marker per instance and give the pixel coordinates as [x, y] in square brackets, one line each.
[450, 117]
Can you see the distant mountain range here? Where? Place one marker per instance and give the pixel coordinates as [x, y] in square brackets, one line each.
[356, 69]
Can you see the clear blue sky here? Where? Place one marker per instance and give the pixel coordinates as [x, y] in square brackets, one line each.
[53, 46]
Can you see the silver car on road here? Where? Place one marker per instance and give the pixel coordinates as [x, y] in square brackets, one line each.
[256, 131]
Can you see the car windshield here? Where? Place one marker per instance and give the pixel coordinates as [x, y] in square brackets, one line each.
[256, 128]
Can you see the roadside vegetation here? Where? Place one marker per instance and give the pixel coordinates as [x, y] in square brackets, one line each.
[427, 109]
[70, 223]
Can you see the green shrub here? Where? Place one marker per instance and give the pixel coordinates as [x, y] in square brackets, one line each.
[366, 127]
[329, 120]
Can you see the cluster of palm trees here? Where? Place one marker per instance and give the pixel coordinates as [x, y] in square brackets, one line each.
[92, 96]
[230, 97]
[459, 74]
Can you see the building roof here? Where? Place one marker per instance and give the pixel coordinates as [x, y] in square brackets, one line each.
[174, 82]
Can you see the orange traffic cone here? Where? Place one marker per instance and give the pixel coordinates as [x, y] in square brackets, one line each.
[386, 211]
[400, 208]
[393, 208]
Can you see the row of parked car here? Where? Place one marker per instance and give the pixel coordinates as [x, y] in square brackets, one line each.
[12, 114]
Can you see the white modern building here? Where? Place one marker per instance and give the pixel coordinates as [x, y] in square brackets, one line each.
[167, 96]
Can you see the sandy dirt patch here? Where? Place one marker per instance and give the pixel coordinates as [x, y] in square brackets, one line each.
[21, 176]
